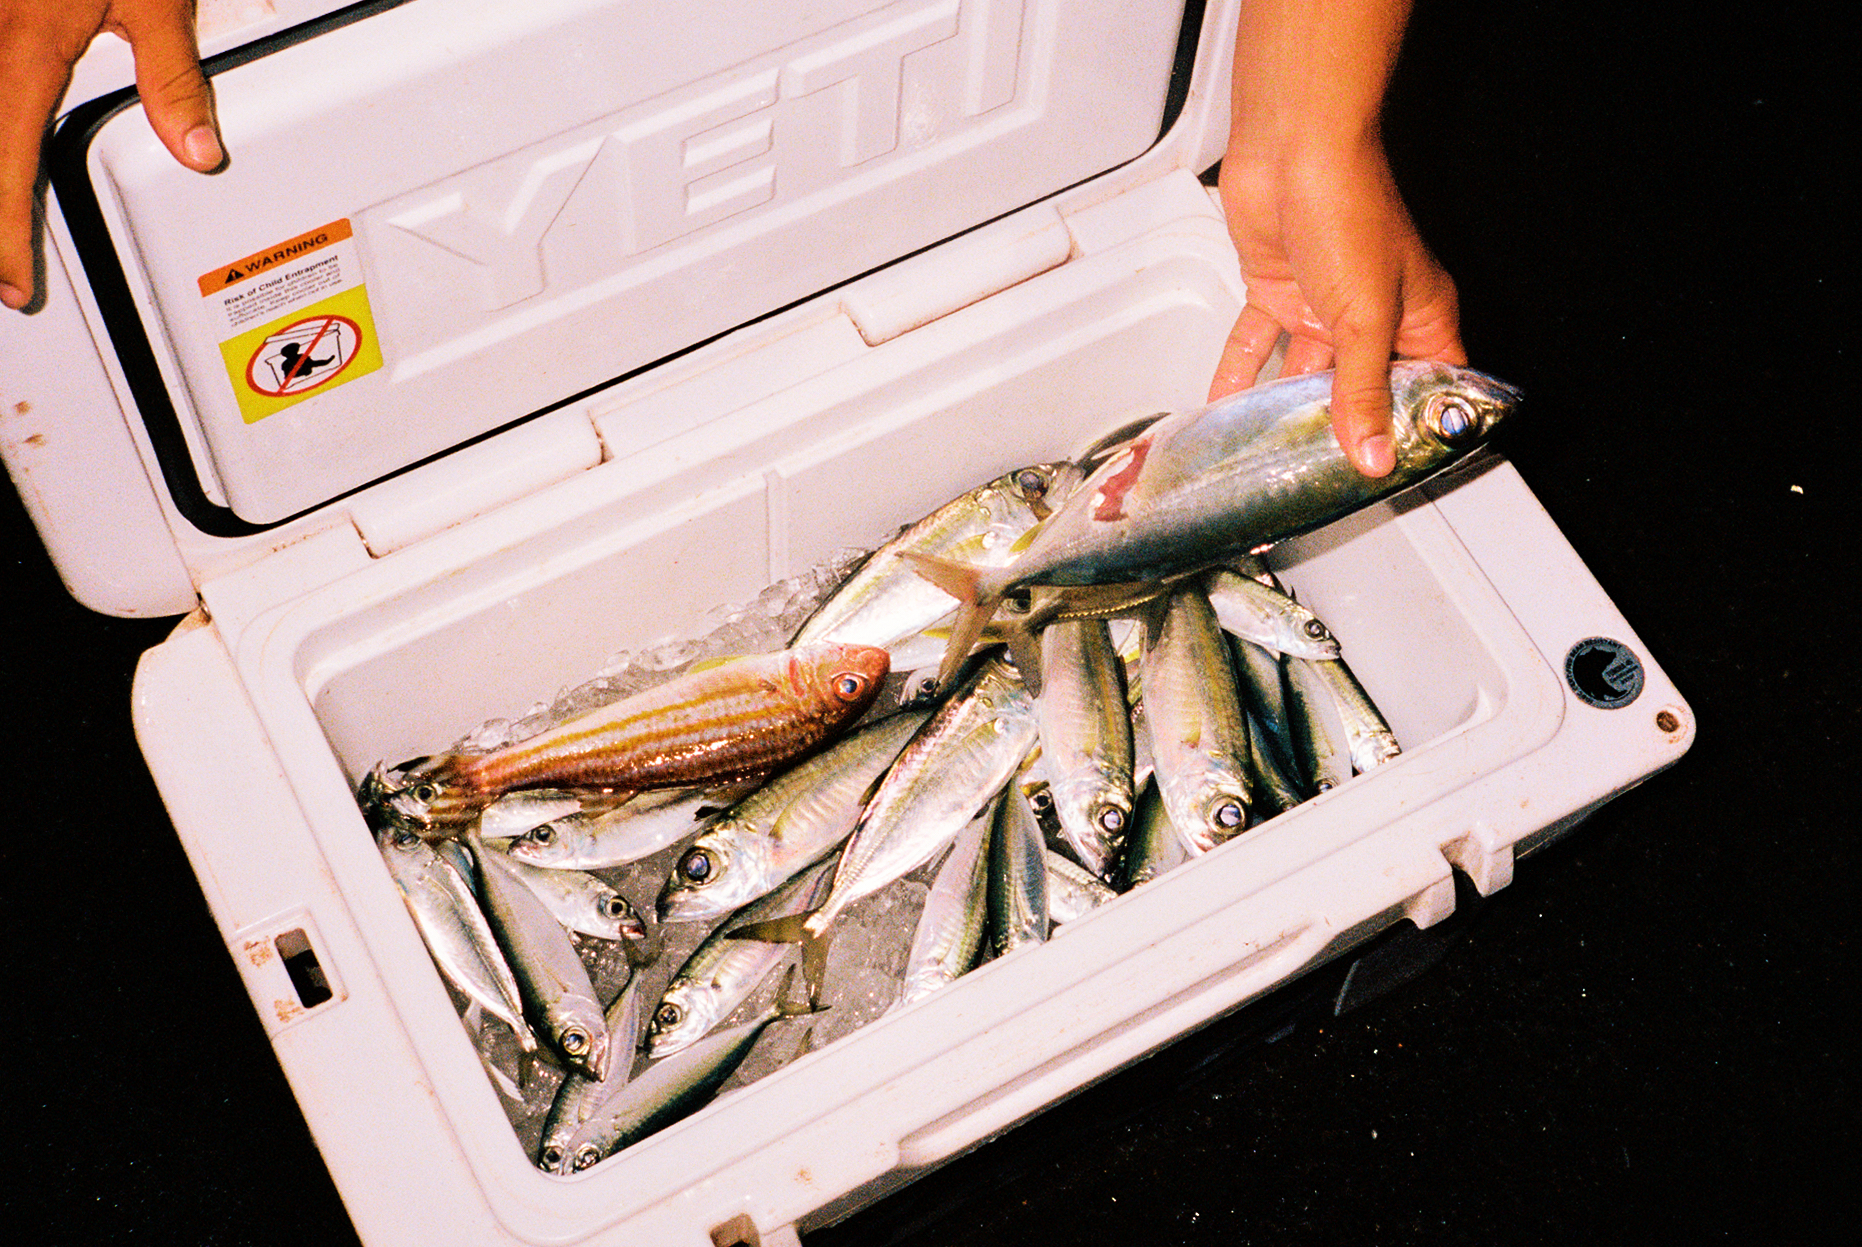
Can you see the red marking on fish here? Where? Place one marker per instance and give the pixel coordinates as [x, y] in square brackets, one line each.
[1109, 498]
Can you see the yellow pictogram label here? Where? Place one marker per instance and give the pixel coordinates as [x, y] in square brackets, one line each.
[302, 354]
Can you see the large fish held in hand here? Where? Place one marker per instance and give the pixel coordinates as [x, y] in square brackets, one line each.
[742, 718]
[1199, 487]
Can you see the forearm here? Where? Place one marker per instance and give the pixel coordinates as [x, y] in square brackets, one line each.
[1310, 76]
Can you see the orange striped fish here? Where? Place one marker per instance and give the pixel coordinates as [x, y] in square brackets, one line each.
[740, 719]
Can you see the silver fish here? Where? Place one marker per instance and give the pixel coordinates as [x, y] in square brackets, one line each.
[1322, 752]
[651, 821]
[558, 997]
[1017, 875]
[1199, 737]
[949, 772]
[580, 901]
[1275, 791]
[1261, 676]
[669, 1090]
[515, 813]
[1086, 740]
[1072, 892]
[795, 819]
[1368, 738]
[579, 1097]
[1155, 846]
[885, 603]
[722, 972]
[1202, 486]
[455, 931]
[949, 935]
[1249, 609]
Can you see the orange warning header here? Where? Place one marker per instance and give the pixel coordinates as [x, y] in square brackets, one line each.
[261, 261]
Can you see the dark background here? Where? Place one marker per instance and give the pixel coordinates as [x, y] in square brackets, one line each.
[1642, 1032]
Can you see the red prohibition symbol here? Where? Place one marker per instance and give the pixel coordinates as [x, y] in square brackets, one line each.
[303, 355]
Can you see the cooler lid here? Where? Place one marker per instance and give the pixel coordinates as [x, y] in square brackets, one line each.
[440, 219]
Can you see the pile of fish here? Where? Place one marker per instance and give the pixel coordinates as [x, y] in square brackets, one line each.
[1052, 689]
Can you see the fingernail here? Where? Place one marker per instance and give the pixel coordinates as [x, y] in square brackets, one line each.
[203, 147]
[1376, 455]
[12, 296]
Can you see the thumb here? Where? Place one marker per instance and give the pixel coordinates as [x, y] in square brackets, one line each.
[175, 94]
[1361, 403]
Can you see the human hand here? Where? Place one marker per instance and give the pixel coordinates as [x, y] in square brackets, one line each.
[1329, 256]
[40, 40]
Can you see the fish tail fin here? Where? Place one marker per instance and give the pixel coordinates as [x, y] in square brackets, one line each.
[807, 1007]
[796, 929]
[978, 596]
[809, 929]
[789, 930]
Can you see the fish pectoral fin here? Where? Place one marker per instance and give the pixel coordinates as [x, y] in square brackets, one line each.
[1025, 652]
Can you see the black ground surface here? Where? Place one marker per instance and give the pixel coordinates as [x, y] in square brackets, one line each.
[1642, 1032]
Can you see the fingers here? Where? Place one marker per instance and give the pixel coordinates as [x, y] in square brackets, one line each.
[1249, 344]
[35, 74]
[1431, 327]
[175, 94]
[36, 56]
[1306, 353]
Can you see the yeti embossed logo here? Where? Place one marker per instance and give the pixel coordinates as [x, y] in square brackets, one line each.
[762, 135]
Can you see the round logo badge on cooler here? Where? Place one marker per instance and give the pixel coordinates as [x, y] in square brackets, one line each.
[1604, 672]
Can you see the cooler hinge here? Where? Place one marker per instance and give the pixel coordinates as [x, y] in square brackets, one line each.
[956, 274]
[964, 271]
[233, 598]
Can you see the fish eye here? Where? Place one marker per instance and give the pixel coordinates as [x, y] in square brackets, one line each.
[550, 1158]
[423, 793]
[848, 685]
[544, 835]
[574, 1041]
[1452, 418]
[668, 1016]
[1229, 814]
[405, 839]
[1041, 800]
[697, 867]
[1032, 482]
[1316, 630]
[585, 1156]
[614, 906]
[1111, 818]
[1019, 602]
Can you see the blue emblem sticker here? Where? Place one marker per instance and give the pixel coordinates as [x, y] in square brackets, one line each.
[1604, 672]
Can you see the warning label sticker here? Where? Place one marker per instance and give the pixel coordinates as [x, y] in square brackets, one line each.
[293, 321]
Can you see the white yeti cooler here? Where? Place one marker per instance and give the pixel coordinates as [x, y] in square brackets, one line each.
[517, 335]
